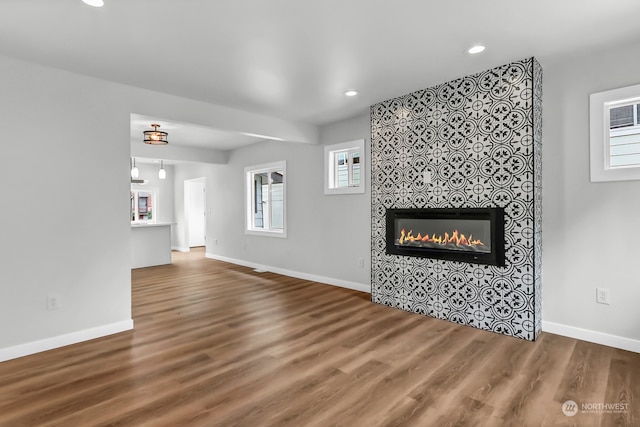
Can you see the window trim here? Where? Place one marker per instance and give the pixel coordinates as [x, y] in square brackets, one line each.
[330, 172]
[249, 171]
[599, 105]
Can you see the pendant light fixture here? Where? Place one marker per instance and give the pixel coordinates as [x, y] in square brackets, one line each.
[134, 170]
[155, 136]
[162, 174]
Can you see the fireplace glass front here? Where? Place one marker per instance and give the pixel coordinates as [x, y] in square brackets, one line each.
[473, 235]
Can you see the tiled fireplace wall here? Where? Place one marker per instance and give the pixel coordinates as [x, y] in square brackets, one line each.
[480, 137]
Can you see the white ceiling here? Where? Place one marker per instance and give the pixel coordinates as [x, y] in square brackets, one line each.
[293, 59]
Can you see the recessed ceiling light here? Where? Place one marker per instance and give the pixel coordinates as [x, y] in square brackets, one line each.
[476, 49]
[351, 92]
[94, 3]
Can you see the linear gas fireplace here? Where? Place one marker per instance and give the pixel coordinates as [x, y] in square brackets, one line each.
[474, 235]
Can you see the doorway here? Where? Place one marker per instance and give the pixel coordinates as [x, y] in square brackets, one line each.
[195, 205]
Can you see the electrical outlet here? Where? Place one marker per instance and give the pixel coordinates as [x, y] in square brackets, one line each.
[360, 262]
[53, 302]
[603, 296]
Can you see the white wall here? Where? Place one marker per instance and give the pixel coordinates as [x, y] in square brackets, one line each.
[590, 230]
[66, 136]
[325, 234]
[64, 184]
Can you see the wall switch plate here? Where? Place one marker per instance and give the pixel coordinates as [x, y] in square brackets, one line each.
[360, 262]
[603, 296]
[53, 302]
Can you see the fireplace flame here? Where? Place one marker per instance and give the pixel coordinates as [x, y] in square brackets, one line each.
[456, 238]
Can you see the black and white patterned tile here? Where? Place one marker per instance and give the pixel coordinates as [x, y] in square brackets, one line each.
[480, 137]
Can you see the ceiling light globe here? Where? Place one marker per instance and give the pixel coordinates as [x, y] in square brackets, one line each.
[162, 174]
[476, 49]
[135, 173]
[94, 3]
[351, 93]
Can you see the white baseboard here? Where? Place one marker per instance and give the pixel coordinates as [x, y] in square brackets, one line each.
[592, 336]
[304, 276]
[64, 340]
[180, 249]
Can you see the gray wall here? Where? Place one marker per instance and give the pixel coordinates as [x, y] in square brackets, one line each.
[590, 230]
[64, 183]
[326, 234]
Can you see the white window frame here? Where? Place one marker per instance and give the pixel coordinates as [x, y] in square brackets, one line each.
[330, 169]
[599, 105]
[249, 172]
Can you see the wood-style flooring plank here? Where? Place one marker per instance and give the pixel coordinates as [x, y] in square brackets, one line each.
[217, 344]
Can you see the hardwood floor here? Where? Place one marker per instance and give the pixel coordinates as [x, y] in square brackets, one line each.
[221, 345]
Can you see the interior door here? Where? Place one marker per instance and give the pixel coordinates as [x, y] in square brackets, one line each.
[196, 212]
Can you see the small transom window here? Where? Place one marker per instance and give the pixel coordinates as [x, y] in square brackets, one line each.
[344, 168]
[615, 134]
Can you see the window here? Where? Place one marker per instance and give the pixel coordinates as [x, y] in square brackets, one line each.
[347, 168]
[624, 136]
[344, 168]
[144, 207]
[615, 134]
[620, 117]
[266, 199]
